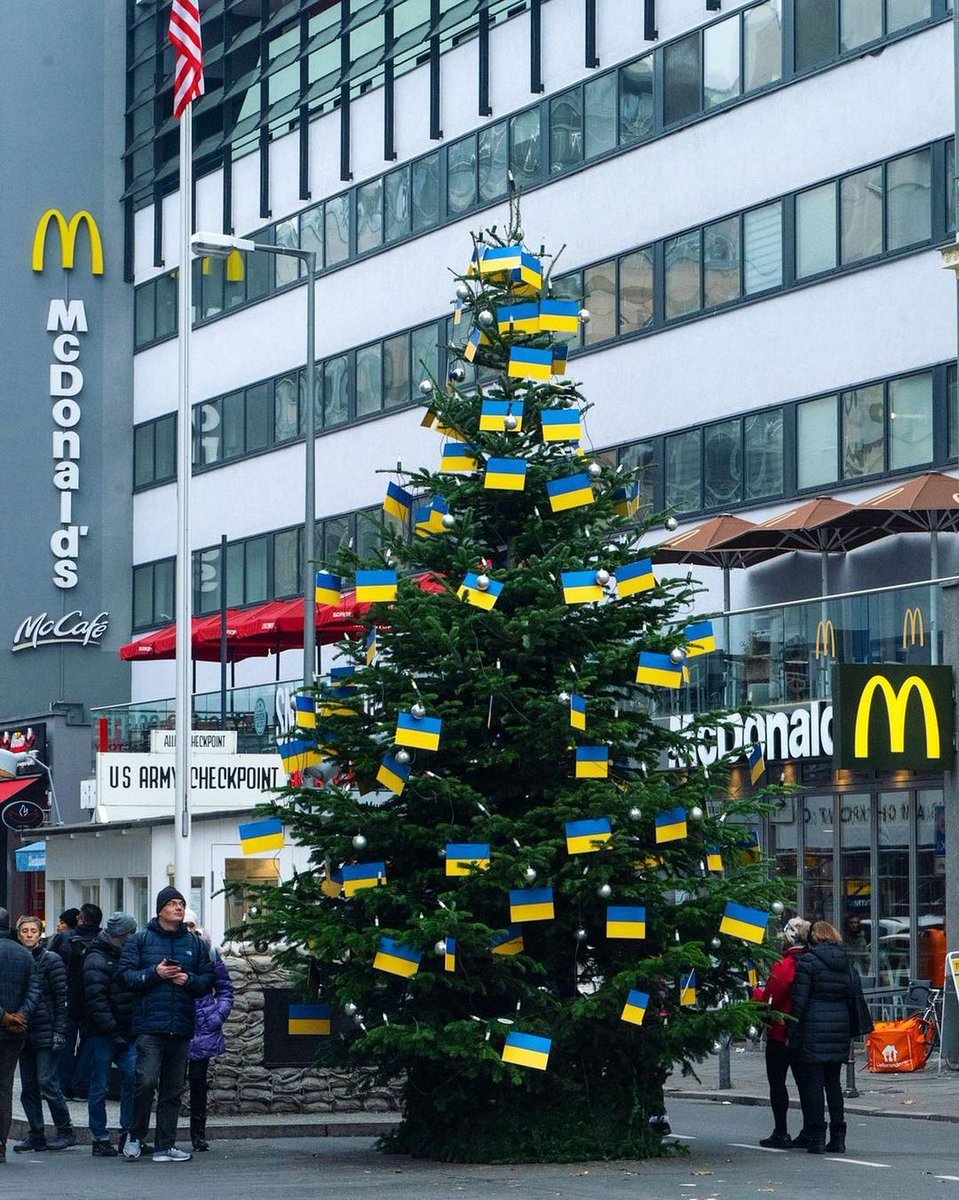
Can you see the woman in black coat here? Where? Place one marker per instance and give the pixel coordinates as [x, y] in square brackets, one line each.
[820, 1038]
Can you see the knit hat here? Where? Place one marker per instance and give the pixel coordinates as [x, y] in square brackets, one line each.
[189, 917]
[119, 923]
[796, 932]
[165, 895]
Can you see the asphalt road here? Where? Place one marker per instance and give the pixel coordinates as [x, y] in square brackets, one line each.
[887, 1160]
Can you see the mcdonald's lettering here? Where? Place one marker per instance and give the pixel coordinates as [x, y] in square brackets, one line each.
[826, 636]
[893, 716]
[68, 240]
[913, 623]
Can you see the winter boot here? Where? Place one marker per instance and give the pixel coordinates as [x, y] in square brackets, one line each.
[837, 1138]
[817, 1139]
[776, 1141]
[801, 1140]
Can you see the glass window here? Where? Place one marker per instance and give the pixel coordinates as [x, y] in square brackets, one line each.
[234, 280]
[683, 472]
[952, 405]
[641, 457]
[286, 409]
[368, 535]
[396, 204]
[763, 441]
[336, 536]
[524, 146]
[763, 248]
[233, 425]
[144, 313]
[902, 13]
[165, 305]
[286, 562]
[816, 231]
[910, 421]
[256, 574]
[952, 190]
[721, 75]
[257, 417]
[820, 829]
[287, 267]
[259, 271]
[164, 583]
[721, 261]
[682, 69]
[143, 441]
[861, 212]
[461, 176]
[164, 449]
[311, 231]
[207, 434]
[396, 370]
[235, 582]
[863, 431]
[565, 131]
[599, 285]
[336, 390]
[426, 194]
[369, 380]
[142, 596]
[762, 45]
[600, 114]
[206, 579]
[337, 229]
[138, 900]
[424, 352]
[909, 200]
[243, 871]
[817, 442]
[817, 27]
[893, 909]
[493, 161]
[682, 275]
[369, 216]
[722, 464]
[211, 288]
[636, 291]
[855, 880]
[861, 23]
[636, 100]
[930, 880]
[88, 891]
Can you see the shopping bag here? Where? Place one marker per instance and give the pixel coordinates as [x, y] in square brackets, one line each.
[899, 1045]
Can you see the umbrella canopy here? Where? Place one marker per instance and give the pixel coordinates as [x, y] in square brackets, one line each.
[706, 545]
[819, 525]
[929, 503]
[161, 644]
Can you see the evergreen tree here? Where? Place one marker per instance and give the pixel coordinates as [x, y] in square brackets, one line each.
[497, 654]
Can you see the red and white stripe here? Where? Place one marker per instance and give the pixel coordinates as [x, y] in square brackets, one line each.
[185, 36]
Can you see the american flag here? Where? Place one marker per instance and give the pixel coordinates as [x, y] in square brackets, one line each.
[185, 36]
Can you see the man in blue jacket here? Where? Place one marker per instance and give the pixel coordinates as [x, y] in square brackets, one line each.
[167, 968]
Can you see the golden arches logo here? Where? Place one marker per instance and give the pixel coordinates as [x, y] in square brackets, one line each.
[826, 637]
[896, 704]
[68, 239]
[912, 623]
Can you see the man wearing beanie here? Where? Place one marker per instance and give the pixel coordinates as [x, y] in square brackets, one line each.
[105, 1025]
[167, 968]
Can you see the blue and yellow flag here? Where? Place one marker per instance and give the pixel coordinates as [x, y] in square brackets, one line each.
[572, 492]
[509, 942]
[520, 318]
[561, 424]
[527, 1050]
[357, 876]
[262, 835]
[714, 858]
[305, 708]
[479, 249]
[527, 278]
[329, 588]
[559, 316]
[505, 474]
[592, 762]
[493, 414]
[398, 502]
[459, 458]
[498, 260]
[298, 754]
[374, 586]
[742, 922]
[470, 591]
[752, 975]
[585, 837]
[393, 775]
[748, 846]
[309, 1020]
[626, 499]
[372, 650]
[756, 758]
[580, 587]
[531, 904]
[635, 577]
[449, 954]
[635, 1009]
[700, 639]
[396, 959]
[476, 339]
[577, 711]
[560, 359]
[659, 670]
[457, 311]
[429, 520]
[687, 990]
[463, 857]
[626, 921]
[527, 363]
[671, 825]
[422, 733]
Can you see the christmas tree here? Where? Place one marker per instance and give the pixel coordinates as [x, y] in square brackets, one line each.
[518, 907]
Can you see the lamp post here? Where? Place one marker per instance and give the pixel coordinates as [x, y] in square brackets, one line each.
[222, 245]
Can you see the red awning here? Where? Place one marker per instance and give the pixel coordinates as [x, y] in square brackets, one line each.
[10, 787]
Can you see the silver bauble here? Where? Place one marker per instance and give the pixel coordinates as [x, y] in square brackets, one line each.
[529, 874]
[715, 943]
[350, 1008]
[635, 813]
[752, 1032]
[585, 315]
[695, 813]
[482, 582]
[418, 711]
[594, 470]
[777, 906]
[510, 421]
[602, 577]
[563, 697]
[359, 842]
[677, 654]
[581, 935]
[448, 521]
[604, 891]
[520, 233]
[670, 524]
[440, 948]
[485, 318]
[717, 1046]
[462, 291]
[457, 374]
[358, 1018]
[426, 386]
[402, 756]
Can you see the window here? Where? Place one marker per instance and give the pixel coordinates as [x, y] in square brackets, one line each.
[493, 161]
[721, 261]
[565, 131]
[816, 231]
[196, 898]
[396, 204]
[153, 601]
[55, 902]
[599, 285]
[461, 176]
[762, 45]
[683, 472]
[154, 451]
[426, 194]
[286, 266]
[139, 900]
[636, 100]
[682, 275]
[87, 891]
[910, 421]
[721, 73]
[860, 198]
[144, 314]
[636, 291]
[369, 216]
[641, 457]
[764, 455]
[861, 23]
[525, 147]
[681, 72]
[763, 248]
[816, 32]
[369, 380]
[863, 431]
[908, 200]
[113, 896]
[336, 391]
[286, 562]
[425, 354]
[817, 443]
[286, 403]
[240, 871]
[600, 107]
[902, 13]
[396, 370]
[337, 229]
[311, 231]
[722, 464]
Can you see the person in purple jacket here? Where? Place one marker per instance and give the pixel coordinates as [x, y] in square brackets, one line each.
[208, 1041]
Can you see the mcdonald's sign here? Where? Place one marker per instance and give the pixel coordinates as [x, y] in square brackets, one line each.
[826, 637]
[886, 715]
[912, 624]
[69, 231]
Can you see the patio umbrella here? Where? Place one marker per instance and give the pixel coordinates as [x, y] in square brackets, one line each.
[161, 644]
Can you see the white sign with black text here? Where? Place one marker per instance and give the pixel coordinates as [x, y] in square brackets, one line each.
[143, 783]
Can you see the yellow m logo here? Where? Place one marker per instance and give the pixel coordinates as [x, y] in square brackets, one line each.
[896, 703]
[68, 239]
[913, 622]
[826, 637]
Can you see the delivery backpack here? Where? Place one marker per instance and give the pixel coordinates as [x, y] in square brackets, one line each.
[899, 1045]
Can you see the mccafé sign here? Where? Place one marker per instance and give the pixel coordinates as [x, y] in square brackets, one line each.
[892, 716]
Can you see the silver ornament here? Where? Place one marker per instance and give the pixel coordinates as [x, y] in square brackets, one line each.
[670, 524]
[777, 906]
[418, 711]
[462, 291]
[715, 943]
[563, 697]
[585, 315]
[358, 1019]
[580, 935]
[635, 813]
[448, 520]
[457, 374]
[717, 1046]
[519, 233]
[529, 874]
[594, 470]
[604, 891]
[695, 813]
[359, 842]
[485, 318]
[426, 386]
[677, 654]
[402, 756]
[602, 577]
[510, 421]
[752, 1032]
[482, 582]
[440, 948]
[350, 1008]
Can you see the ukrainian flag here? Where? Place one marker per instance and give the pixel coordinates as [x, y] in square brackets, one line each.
[527, 1050]
[458, 457]
[429, 418]
[580, 587]
[506, 474]
[714, 859]
[493, 414]
[528, 276]
[742, 922]
[572, 492]
[671, 825]
[298, 754]
[592, 762]
[749, 846]
[371, 648]
[461, 857]
[626, 500]
[422, 733]
[372, 586]
[687, 990]
[636, 1004]
[700, 639]
[559, 316]
[393, 775]
[305, 707]
[449, 955]
[561, 424]
[527, 363]
[396, 959]
[357, 876]
[531, 904]
[457, 311]
[752, 975]
[479, 249]
[757, 762]
[583, 837]
[577, 711]
[429, 520]
[470, 591]
[262, 835]
[522, 318]
[626, 921]
[560, 359]
[473, 343]
[329, 588]
[332, 884]
[499, 259]
[308, 1019]
[510, 942]
[398, 502]
[658, 669]
[635, 577]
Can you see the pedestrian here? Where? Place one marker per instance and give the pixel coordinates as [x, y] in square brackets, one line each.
[19, 996]
[76, 942]
[168, 969]
[208, 1041]
[106, 1028]
[820, 1038]
[857, 947]
[777, 992]
[66, 923]
[40, 1052]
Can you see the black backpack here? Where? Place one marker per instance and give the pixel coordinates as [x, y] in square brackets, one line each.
[78, 948]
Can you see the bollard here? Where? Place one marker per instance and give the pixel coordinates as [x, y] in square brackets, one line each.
[725, 1081]
[850, 1090]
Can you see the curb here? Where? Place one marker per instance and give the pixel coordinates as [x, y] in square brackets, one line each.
[261, 1132]
[857, 1110]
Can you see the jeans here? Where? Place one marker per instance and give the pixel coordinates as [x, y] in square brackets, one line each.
[198, 1071]
[779, 1059]
[9, 1052]
[39, 1082]
[161, 1057]
[820, 1084]
[102, 1051]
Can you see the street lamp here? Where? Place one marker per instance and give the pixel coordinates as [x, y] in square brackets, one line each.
[222, 245]
[10, 764]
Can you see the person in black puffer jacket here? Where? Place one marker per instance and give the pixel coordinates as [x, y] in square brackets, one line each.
[820, 1038]
[19, 996]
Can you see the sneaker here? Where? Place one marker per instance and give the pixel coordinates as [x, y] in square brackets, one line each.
[29, 1146]
[171, 1155]
[131, 1148]
[777, 1141]
[63, 1141]
[103, 1149]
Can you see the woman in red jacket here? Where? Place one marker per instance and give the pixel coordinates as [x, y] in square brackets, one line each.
[778, 994]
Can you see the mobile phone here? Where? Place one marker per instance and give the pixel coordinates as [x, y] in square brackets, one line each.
[170, 962]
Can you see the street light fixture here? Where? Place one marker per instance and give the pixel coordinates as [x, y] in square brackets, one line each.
[222, 245]
[10, 764]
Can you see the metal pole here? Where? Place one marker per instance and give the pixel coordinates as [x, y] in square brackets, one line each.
[851, 1090]
[223, 631]
[725, 1079]
[309, 478]
[934, 597]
